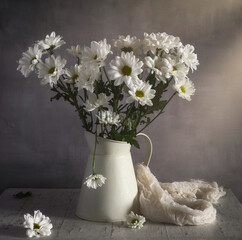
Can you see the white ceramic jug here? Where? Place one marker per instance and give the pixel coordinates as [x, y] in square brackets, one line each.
[118, 196]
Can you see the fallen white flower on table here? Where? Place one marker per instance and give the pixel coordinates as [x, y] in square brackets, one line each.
[95, 180]
[135, 220]
[38, 225]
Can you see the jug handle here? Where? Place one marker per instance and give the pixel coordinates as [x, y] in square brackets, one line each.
[149, 148]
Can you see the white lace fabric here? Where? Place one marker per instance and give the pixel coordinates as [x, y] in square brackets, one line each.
[180, 203]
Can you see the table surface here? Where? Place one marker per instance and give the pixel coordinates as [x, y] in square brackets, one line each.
[60, 204]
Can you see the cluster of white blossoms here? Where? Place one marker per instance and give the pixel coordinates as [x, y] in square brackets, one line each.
[133, 84]
[38, 225]
[171, 60]
[167, 58]
[51, 68]
[163, 41]
[83, 74]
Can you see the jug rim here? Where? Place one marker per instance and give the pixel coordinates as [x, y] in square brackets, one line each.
[107, 139]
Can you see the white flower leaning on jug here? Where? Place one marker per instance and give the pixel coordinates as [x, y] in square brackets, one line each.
[119, 103]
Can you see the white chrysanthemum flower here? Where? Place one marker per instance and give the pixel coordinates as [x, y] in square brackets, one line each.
[75, 51]
[51, 42]
[88, 75]
[51, 70]
[125, 68]
[162, 41]
[185, 88]
[73, 73]
[96, 54]
[188, 56]
[38, 225]
[127, 44]
[142, 93]
[135, 220]
[29, 60]
[172, 67]
[94, 101]
[95, 180]
[108, 117]
[155, 65]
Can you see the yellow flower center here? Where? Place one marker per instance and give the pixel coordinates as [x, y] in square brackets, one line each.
[31, 61]
[75, 77]
[36, 226]
[52, 47]
[127, 49]
[51, 70]
[182, 89]
[139, 94]
[174, 68]
[126, 70]
[135, 221]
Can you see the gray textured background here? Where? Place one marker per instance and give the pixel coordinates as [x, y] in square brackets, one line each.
[42, 143]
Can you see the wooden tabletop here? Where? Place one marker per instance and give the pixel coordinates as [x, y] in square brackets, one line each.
[60, 204]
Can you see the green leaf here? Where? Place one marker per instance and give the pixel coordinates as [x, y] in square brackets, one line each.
[56, 97]
[134, 142]
[157, 106]
[100, 88]
[152, 79]
[160, 88]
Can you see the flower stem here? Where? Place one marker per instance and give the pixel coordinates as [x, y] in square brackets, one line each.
[158, 113]
[127, 115]
[94, 151]
[67, 89]
[106, 75]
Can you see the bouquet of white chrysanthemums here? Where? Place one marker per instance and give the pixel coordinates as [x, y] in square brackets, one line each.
[121, 101]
